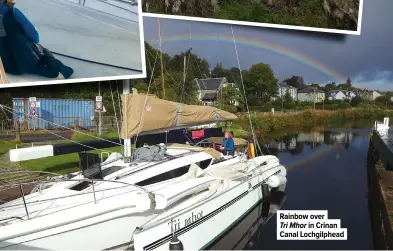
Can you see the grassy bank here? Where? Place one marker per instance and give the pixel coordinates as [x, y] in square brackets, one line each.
[308, 119]
[68, 163]
[5, 146]
[61, 164]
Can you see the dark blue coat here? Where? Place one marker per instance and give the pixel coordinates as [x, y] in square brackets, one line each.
[7, 58]
[24, 51]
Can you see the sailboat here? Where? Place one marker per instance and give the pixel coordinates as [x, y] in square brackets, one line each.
[166, 196]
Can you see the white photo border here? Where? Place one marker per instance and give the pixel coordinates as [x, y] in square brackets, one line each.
[96, 79]
[267, 25]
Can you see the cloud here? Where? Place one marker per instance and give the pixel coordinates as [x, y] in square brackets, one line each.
[381, 80]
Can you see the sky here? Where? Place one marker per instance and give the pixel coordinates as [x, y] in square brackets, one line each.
[318, 57]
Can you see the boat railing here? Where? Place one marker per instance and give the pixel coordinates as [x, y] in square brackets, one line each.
[382, 127]
[59, 179]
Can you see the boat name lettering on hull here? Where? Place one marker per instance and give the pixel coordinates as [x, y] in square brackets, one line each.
[176, 224]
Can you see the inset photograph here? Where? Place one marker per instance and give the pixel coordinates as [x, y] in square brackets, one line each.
[60, 41]
[315, 15]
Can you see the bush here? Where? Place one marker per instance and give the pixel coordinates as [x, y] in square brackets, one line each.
[343, 105]
[230, 108]
[311, 118]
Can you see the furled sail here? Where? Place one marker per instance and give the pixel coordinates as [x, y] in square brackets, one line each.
[144, 113]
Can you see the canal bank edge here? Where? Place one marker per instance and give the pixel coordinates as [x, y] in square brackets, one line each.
[267, 122]
[380, 198]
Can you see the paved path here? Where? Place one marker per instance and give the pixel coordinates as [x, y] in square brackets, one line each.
[39, 137]
[9, 175]
[86, 32]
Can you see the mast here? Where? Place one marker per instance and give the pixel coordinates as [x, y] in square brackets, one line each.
[162, 65]
[184, 74]
[99, 112]
[127, 142]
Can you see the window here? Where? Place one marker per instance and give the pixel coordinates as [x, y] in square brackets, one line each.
[165, 176]
[81, 186]
[204, 163]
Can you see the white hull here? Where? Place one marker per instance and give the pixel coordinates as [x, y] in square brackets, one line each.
[216, 216]
[112, 222]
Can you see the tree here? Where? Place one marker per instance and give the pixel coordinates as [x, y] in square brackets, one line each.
[153, 61]
[296, 81]
[288, 100]
[330, 87]
[355, 101]
[195, 66]
[349, 83]
[175, 89]
[229, 95]
[316, 86]
[383, 101]
[219, 71]
[261, 81]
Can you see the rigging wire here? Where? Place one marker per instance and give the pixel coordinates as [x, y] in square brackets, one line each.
[118, 100]
[188, 61]
[174, 80]
[73, 141]
[11, 110]
[148, 89]
[114, 109]
[244, 93]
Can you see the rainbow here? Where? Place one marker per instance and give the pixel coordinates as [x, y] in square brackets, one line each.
[259, 44]
[314, 155]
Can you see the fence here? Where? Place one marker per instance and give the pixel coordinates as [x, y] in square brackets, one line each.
[109, 123]
[6, 126]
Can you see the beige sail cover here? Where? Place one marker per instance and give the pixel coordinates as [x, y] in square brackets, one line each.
[145, 113]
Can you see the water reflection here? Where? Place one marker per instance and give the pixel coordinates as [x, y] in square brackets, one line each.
[294, 143]
[244, 235]
[326, 171]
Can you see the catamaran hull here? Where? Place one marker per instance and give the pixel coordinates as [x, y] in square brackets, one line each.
[97, 233]
[207, 221]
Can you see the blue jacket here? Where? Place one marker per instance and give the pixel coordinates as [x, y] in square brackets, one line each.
[228, 144]
[28, 28]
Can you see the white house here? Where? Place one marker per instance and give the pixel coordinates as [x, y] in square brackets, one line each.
[370, 95]
[283, 88]
[311, 94]
[341, 95]
[209, 89]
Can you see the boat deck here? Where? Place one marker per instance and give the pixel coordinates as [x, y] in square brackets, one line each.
[94, 37]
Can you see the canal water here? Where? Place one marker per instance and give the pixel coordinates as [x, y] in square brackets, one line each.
[326, 171]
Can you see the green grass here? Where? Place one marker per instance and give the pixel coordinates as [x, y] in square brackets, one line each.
[310, 13]
[5, 146]
[84, 137]
[68, 163]
[61, 164]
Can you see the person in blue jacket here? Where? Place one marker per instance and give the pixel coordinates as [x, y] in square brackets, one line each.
[227, 145]
[22, 40]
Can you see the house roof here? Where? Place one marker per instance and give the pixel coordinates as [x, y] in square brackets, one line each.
[335, 92]
[285, 85]
[209, 84]
[310, 90]
[369, 93]
[209, 96]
